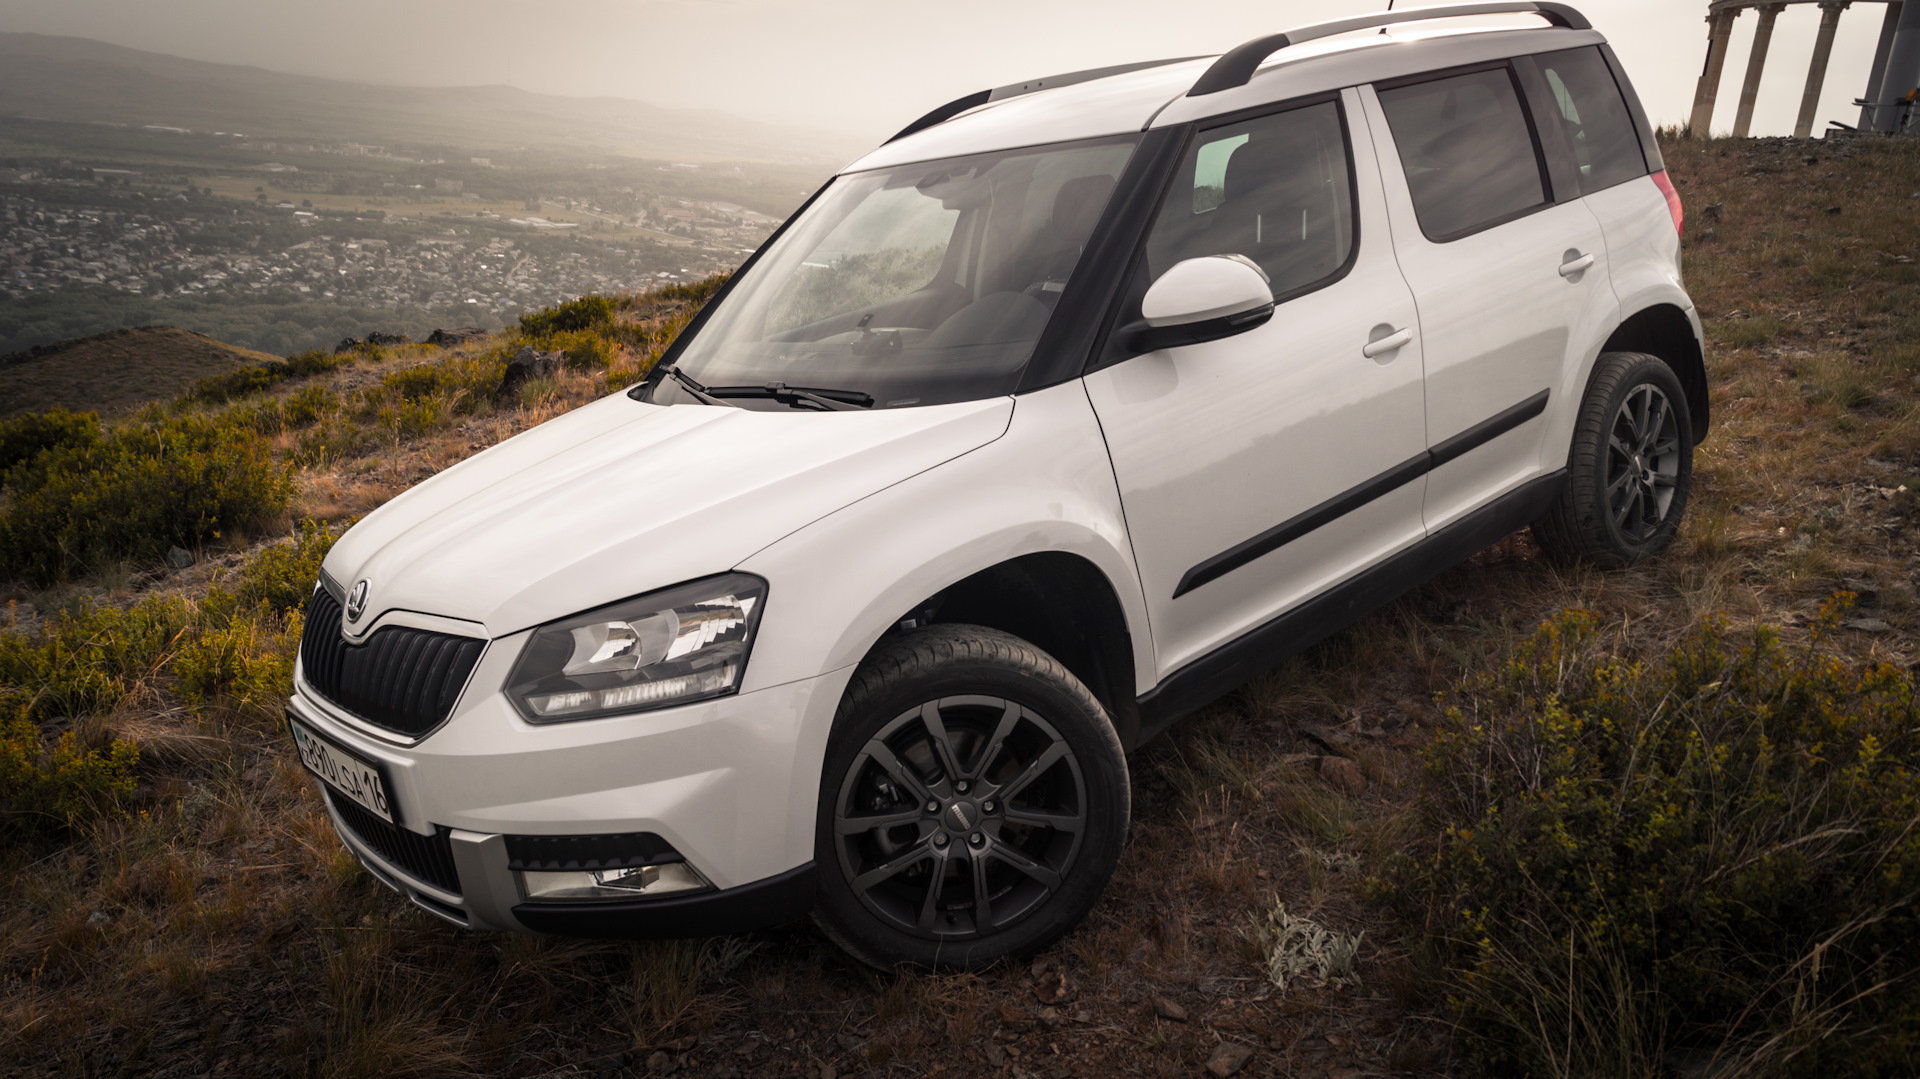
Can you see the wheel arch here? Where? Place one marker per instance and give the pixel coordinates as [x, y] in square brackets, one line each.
[1666, 331]
[1062, 604]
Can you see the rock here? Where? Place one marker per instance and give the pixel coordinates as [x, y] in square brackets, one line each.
[1864, 592]
[179, 557]
[1051, 1019]
[1343, 774]
[1867, 625]
[681, 1045]
[660, 1063]
[1227, 1058]
[848, 1042]
[387, 339]
[1167, 1009]
[99, 918]
[526, 365]
[1053, 987]
[461, 336]
[347, 344]
[996, 1056]
[1712, 213]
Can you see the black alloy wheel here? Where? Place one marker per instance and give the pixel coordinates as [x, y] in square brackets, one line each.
[1629, 468]
[961, 816]
[973, 802]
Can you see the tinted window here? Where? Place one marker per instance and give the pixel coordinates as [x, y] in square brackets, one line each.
[1276, 189]
[1592, 118]
[1468, 152]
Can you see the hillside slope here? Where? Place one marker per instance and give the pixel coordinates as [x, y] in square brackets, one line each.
[77, 79]
[115, 371]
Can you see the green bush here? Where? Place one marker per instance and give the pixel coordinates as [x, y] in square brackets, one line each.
[222, 388]
[25, 437]
[585, 313]
[65, 783]
[92, 659]
[282, 576]
[1707, 861]
[133, 492]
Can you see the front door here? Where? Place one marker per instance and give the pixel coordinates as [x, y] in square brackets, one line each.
[1259, 470]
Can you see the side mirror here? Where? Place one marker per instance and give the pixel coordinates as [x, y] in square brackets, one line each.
[1202, 299]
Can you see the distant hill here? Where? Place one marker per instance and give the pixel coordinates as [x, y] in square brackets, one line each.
[115, 371]
[77, 79]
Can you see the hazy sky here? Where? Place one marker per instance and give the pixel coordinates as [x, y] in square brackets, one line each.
[866, 67]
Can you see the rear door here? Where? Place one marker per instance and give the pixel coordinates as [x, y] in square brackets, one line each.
[1258, 470]
[1511, 283]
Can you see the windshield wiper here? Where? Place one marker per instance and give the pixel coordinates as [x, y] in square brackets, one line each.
[694, 389]
[826, 400]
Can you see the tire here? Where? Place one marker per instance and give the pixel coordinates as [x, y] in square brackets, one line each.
[1029, 796]
[1630, 467]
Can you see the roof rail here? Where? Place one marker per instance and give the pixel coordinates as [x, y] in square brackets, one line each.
[1032, 86]
[1236, 68]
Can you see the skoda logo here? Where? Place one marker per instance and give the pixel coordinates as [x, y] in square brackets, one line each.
[959, 815]
[357, 600]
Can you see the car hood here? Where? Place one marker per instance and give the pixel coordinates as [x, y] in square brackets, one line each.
[619, 498]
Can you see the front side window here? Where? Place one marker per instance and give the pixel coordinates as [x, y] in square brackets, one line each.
[1592, 118]
[1276, 189]
[915, 285]
[1468, 152]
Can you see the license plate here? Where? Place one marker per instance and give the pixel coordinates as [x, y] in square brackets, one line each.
[346, 773]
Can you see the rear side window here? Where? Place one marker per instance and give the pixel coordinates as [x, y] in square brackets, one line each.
[1468, 151]
[1592, 118]
[1277, 189]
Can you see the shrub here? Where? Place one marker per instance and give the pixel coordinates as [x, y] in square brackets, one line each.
[222, 388]
[65, 783]
[135, 491]
[1707, 861]
[90, 660]
[585, 313]
[23, 438]
[282, 576]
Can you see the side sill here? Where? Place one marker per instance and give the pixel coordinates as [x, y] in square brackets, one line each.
[1232, 664]
[781, 898]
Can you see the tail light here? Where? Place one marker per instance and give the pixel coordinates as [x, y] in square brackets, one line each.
[1679, 212]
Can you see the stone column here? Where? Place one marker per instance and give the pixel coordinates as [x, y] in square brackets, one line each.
[1709, 88]
[1817, 72]
[1756, 63]
[1903, 68]
[1887, 27]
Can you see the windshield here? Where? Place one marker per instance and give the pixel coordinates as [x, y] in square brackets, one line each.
[916, 285]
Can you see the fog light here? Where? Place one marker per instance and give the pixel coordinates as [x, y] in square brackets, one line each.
[594, 885]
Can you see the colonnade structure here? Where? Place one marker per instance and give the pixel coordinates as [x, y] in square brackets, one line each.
[1889, 102]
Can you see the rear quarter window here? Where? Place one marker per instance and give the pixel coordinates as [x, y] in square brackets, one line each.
[1468, 151]
[1587, 113]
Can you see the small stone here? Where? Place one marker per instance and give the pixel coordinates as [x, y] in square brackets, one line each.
[1050, 1018]
[827, 1071]
[848, 1042]
[1867, 625]
[1083, 1016]
[1167, 1009]
[1053, 987]
[1835, 210]
[995, 1055]
[1227, 1058]
[99, 918]
[681, 1045]
[660, 1063]
[1343, 774]
[179, 557]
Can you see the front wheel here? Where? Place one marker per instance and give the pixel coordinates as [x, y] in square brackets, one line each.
[973, 803]
[1630, 467]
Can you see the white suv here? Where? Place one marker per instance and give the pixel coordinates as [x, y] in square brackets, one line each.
[1061, 414]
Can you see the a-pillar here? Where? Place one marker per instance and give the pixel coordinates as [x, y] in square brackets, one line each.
[1878, 72]
[1709, 88]
[1756, 63]
[1817, 73]
[1903, 70]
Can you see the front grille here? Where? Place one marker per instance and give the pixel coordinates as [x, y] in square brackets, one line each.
[554, 853]
[404, 680]
[426, 857]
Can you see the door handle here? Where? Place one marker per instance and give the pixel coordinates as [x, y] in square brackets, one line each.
[1387, 344]
[1568, 269]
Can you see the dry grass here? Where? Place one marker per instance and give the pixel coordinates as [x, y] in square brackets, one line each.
[222, 929]
[115, 371]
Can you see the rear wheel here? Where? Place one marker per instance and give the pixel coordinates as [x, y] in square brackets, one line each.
[973, 803]
[1630, 468]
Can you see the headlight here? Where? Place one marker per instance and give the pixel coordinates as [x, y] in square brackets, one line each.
[686, 643]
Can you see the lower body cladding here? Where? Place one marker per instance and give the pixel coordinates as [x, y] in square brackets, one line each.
[688, 821]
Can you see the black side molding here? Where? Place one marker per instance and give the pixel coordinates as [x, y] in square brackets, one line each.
[1232, 664]
[1347, 501]
[944, 113]
[777, 899]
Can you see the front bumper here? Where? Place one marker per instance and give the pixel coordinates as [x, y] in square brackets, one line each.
[731, 784]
